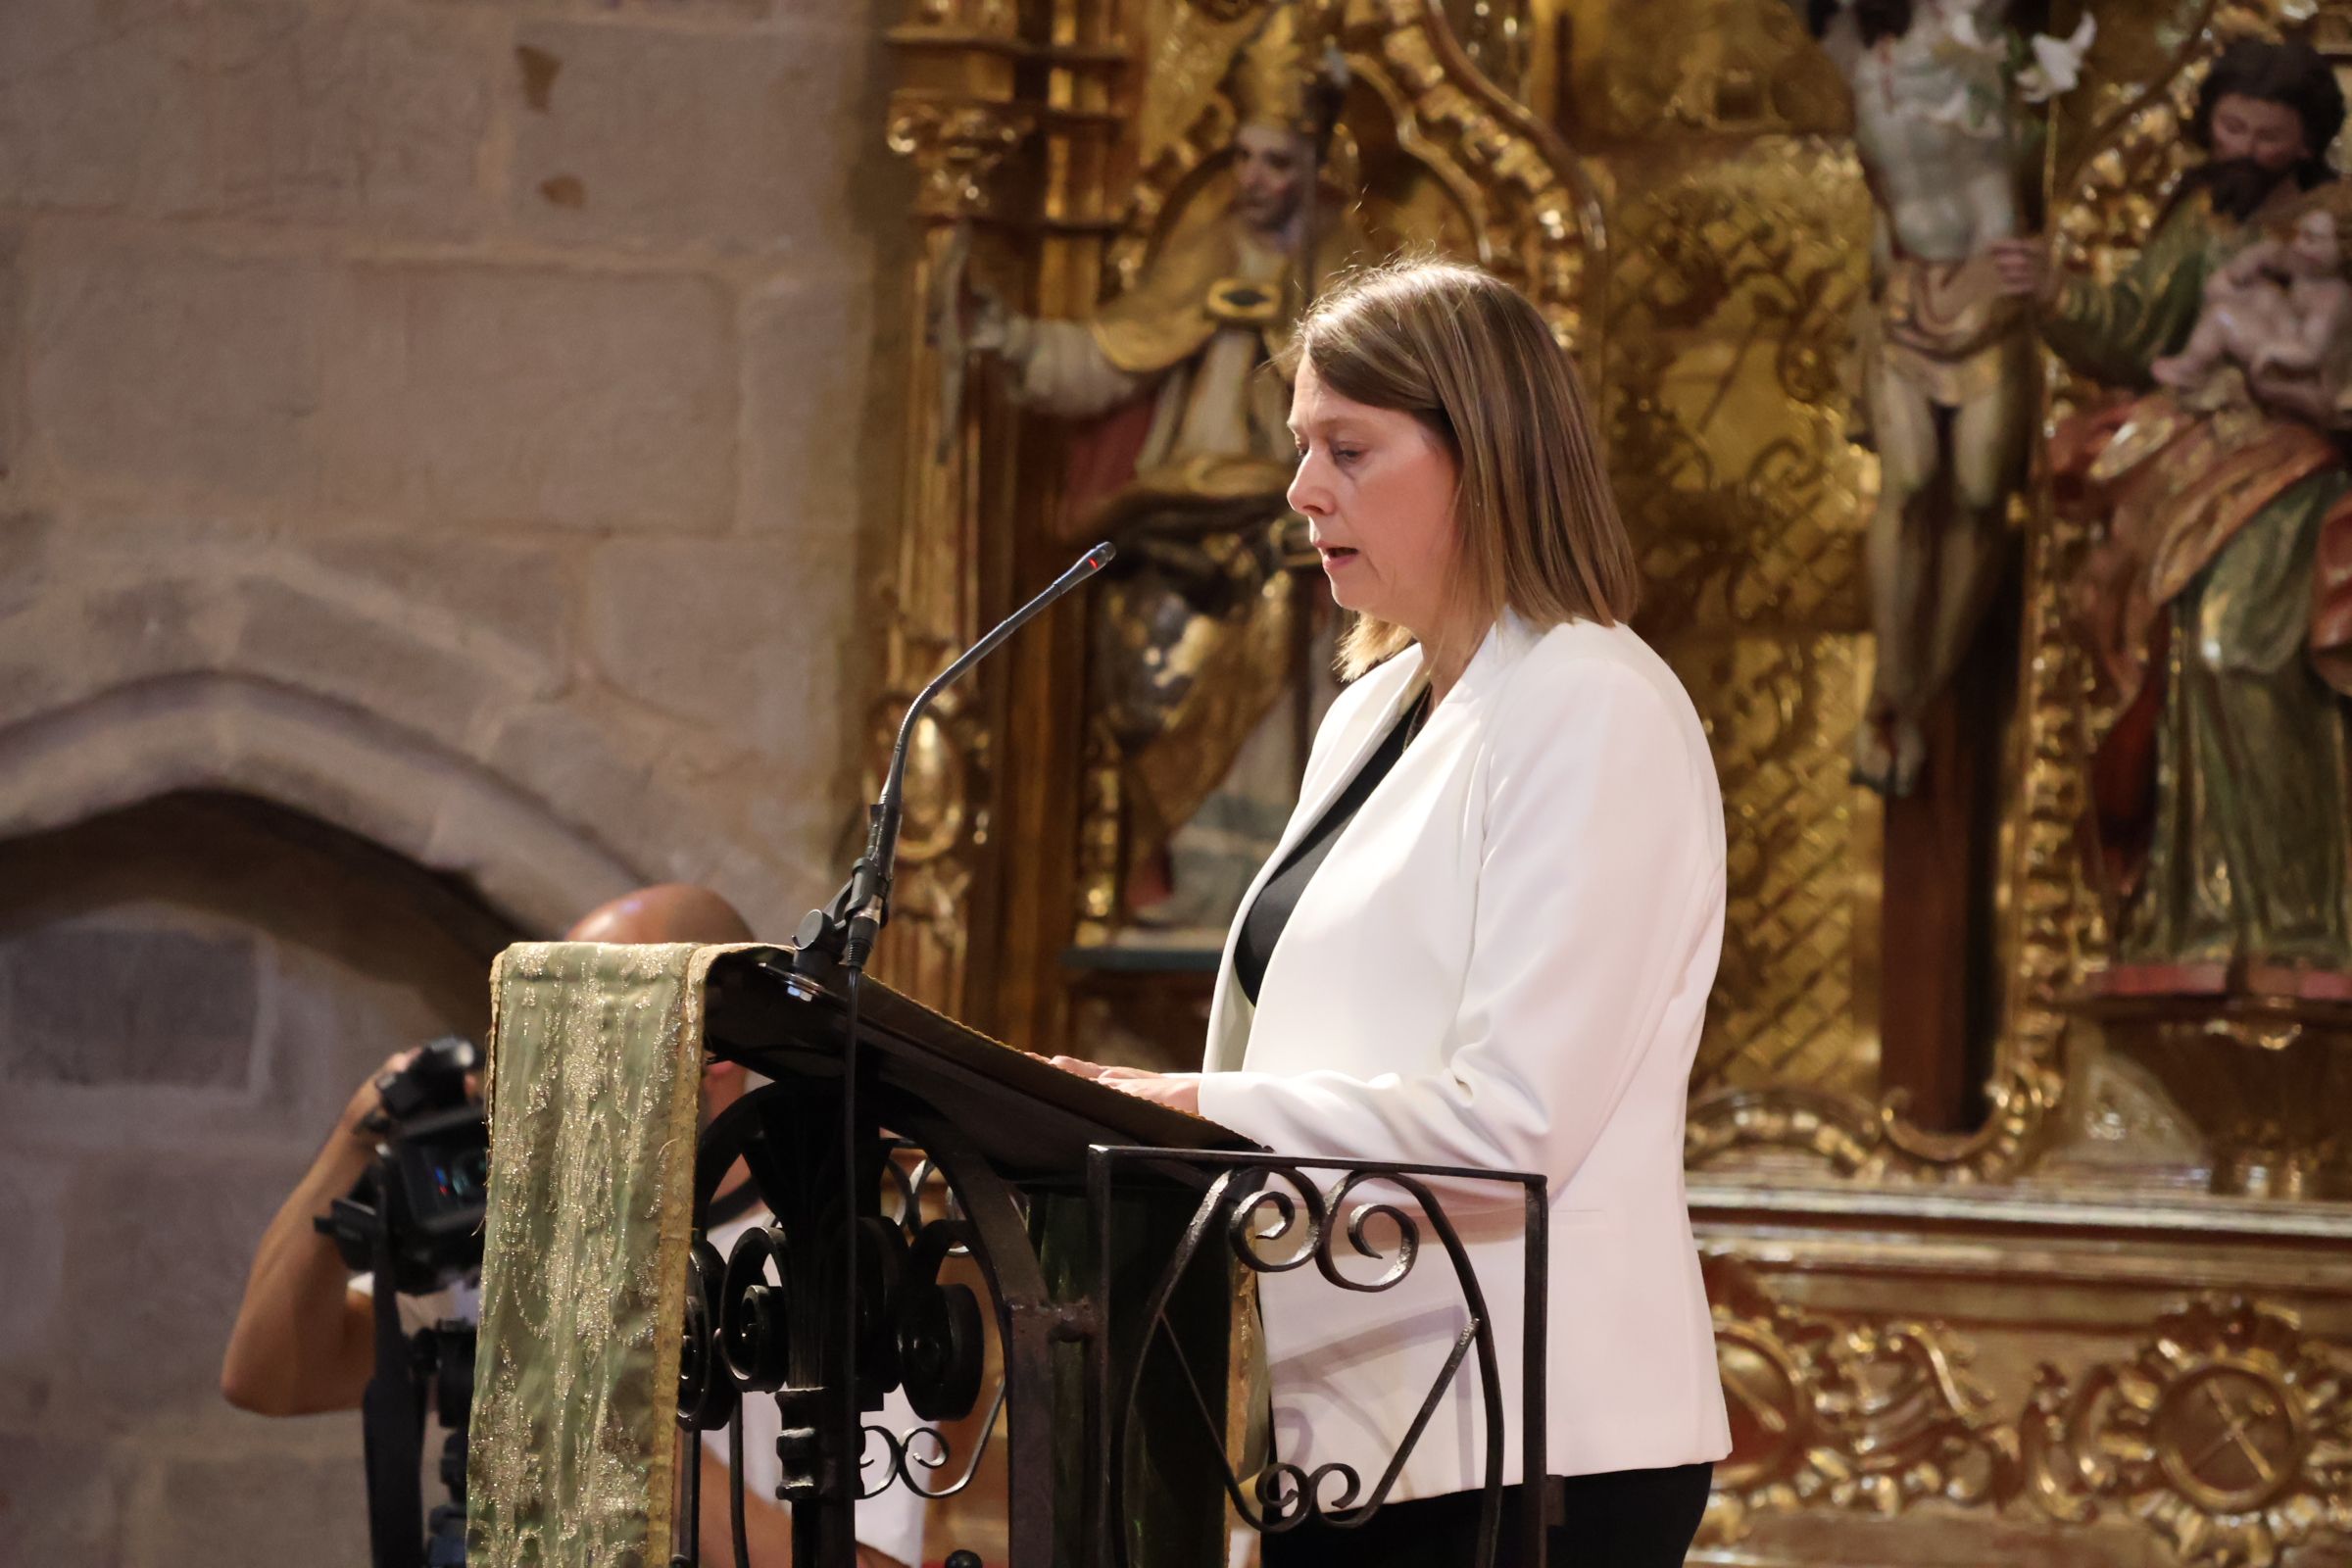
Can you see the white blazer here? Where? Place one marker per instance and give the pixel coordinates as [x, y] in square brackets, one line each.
[1503, 962]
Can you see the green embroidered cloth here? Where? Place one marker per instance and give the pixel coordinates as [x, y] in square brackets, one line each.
[592, 1090]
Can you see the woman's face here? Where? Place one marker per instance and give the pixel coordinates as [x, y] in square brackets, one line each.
[1377, 489]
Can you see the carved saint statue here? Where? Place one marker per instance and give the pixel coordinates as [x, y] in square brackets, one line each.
[2218, 597]
[1946, 353]
[1184, 463]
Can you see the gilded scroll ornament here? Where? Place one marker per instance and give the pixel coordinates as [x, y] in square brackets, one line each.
[1498, 36]
[1532, 220]
[1862, 1416]
[1875, 1142]
[956, 148]
[2229, 1435]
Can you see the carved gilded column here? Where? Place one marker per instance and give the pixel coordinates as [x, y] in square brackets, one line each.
[1010, 117]
[955, 118]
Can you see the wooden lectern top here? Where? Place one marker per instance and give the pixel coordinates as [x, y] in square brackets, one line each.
[1026, 1116]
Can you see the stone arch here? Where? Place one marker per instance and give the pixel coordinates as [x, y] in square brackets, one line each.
[460, 712]
[234, 732]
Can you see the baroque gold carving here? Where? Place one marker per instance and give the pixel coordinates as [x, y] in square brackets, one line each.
[954, 119]
[2120, 151]
[956, 149]
[1497, 36]
[1736, 65]
[1728, 408]
[1874, 1141]
[1524, 212]
[1787, 1009]
[2229, 1435]
[1531, 218]
[1857, 1416]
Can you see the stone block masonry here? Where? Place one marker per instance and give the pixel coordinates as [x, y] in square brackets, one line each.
[458, 424]
[291, 289]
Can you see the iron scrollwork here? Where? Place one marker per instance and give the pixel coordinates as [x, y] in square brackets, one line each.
[706, 1393]
[916, 1332]
[934, 1332]
[1274, 1218]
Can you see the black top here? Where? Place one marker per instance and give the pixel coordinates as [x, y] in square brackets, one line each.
[1262, 927]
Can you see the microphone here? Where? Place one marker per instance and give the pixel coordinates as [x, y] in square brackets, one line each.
[859, 912]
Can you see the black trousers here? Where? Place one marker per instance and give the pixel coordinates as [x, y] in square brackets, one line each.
[1624, 1519]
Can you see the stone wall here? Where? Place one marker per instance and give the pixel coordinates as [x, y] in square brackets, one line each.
[467, 427]
[189, 992]
[461, 422]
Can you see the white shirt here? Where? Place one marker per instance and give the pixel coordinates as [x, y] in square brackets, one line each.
[458, 1302]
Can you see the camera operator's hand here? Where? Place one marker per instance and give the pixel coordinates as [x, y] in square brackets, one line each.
[368, 1099]
[304, 1337]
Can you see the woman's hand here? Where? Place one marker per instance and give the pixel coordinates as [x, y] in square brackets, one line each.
[1178, 1091]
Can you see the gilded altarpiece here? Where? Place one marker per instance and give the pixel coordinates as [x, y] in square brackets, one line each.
[2056, 1335]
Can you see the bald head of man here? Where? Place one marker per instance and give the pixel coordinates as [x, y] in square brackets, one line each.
[673, 911]
[668, 912]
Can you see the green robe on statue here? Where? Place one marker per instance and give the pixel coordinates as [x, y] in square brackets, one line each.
[2226, 817]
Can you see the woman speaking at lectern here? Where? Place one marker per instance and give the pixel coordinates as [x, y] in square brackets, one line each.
[1485, 938]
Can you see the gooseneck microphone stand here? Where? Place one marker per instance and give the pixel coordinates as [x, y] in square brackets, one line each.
[836, 941]
[844, 932]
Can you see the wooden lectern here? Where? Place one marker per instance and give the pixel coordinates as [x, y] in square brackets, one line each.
[1112, 1234]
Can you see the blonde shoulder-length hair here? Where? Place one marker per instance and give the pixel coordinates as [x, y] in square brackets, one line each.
[1469, 357]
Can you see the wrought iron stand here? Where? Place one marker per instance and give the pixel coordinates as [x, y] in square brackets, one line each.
[1062, 1195]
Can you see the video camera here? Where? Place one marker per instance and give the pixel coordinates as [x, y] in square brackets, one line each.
[414, 1221]
[426, 1195]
